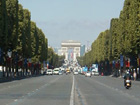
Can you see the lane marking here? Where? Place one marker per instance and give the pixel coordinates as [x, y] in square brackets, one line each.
[72, 94]
[81, 99]
[79, 96]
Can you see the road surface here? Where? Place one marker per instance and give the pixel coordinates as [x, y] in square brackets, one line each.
[69, 90]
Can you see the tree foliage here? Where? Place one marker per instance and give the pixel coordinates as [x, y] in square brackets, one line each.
[54, 59]
[3, 25]
[123, 37]
[19, 33]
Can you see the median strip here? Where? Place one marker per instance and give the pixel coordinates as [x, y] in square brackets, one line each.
[72, 94]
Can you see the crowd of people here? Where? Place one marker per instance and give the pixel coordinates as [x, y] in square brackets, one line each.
[13, 64]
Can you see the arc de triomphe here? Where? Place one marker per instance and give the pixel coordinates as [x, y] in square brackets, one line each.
[70, 49]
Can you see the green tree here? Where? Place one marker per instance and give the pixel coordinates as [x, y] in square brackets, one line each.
[114, 35]
[20, 30]
[3, 25]
[27, 34]
[12, 18]
[33, 38]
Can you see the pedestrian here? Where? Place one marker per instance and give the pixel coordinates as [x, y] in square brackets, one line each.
[135, 75]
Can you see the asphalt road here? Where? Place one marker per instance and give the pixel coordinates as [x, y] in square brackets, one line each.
[69, 90]
[44, 90]
[102, 90]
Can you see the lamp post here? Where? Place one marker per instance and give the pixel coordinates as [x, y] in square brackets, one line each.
[16, 62]
[1, 60]
[29, 66]
[9, 53]
[25, 65]
[3, 63]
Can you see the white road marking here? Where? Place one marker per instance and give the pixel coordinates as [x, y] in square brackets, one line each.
[72, 94]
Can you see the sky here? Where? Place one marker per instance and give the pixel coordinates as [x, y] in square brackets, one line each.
[80, 20]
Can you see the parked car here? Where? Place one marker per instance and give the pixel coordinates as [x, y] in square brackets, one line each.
[92, 72]
[56, 71]
[88, 74]
[49, 72]
[96, 73]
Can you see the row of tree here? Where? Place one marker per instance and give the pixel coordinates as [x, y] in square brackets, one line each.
[19, 33]
[123, 37]
[53, 59]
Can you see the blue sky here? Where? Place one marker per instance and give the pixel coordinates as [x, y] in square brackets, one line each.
[80, 20]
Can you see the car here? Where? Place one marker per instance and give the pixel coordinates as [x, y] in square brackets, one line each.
[92, 72]
[88, 74]
[49, 72]
[62, 69]
[95, 73]
[67, 71]
[56, 71]
[60, 72]
[75, 72]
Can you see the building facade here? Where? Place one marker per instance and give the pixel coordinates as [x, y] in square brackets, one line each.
[70, 49]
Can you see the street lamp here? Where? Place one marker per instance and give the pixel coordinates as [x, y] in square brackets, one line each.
[1, 61]
[9, 53]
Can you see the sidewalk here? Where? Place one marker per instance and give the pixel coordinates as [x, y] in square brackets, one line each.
[9, 79]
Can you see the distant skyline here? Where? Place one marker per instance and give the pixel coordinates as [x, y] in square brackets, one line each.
[80, 20]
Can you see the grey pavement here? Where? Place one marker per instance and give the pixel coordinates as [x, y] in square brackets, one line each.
[103, 90]
[44, 90]
[57, 90]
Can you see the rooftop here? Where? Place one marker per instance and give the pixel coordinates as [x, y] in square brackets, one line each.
[70, 41]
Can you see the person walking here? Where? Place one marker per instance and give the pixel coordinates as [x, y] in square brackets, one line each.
[135, 75]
